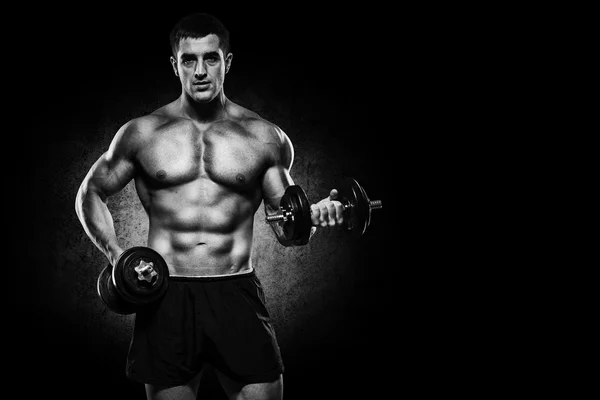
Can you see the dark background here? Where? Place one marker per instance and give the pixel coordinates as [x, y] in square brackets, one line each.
[351, 90]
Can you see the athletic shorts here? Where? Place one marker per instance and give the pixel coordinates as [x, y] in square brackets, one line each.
[220, 320]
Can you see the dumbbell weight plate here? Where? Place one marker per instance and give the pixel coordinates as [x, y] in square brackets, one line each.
[297, 230]
[126, 278]
[109, 296]
[358, 215]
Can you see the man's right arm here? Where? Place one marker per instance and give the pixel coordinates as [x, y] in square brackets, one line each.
[109, 174]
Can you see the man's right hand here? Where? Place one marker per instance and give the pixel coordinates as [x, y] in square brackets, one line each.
[113, 255]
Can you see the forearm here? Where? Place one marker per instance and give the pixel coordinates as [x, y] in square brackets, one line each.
[93, 213]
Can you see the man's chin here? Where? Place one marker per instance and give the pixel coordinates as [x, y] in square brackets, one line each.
[203, 97]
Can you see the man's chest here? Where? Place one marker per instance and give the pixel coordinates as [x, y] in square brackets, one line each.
[228, 155]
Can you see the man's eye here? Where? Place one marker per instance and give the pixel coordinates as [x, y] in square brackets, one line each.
[187, 62]
[212, 60]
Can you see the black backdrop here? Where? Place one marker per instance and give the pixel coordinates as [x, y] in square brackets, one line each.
[355, 72]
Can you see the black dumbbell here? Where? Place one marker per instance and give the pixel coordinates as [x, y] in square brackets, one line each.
[140, 277]
[294, 211]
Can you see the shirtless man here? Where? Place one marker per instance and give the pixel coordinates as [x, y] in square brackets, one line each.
[201, 165]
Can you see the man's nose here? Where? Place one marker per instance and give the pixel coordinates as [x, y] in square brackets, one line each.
[200, 70]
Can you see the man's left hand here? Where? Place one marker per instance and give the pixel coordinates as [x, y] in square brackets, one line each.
[327, 212]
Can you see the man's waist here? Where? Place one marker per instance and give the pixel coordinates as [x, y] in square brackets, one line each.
[208, 268]
[211, 277]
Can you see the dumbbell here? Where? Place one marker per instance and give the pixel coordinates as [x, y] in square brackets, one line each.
[294, 211]
[139, 277]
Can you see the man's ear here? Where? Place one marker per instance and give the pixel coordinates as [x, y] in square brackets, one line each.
[174, 65]
[228, 61]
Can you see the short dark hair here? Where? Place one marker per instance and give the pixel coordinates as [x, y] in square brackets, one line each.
[196, 26]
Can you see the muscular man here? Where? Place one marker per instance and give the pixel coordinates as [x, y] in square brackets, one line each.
[201, 165]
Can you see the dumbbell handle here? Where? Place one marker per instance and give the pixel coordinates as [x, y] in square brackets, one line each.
[145, 271]
[375, 204]
[285, 215]
[280, 216]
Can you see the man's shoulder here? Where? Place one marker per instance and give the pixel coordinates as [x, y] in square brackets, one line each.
[138, 131]
[150, 123]
[145, 123]
[239, 112]
[258, 126]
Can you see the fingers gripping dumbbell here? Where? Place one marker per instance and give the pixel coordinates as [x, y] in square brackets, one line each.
[294, 211]
[140, 277]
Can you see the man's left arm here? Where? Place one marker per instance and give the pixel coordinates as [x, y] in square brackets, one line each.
[277, 178]
[327, 212]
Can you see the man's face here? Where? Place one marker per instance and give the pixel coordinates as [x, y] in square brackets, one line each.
[201, 67]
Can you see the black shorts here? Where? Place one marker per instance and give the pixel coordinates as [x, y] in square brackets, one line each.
[219, 320]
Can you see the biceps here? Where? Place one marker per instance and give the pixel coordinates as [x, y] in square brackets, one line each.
[275, 181]
[109, 175]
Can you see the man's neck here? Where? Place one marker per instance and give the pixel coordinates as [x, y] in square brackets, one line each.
[203, 112]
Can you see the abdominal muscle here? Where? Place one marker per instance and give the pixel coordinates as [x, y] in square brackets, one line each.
[201, 235]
